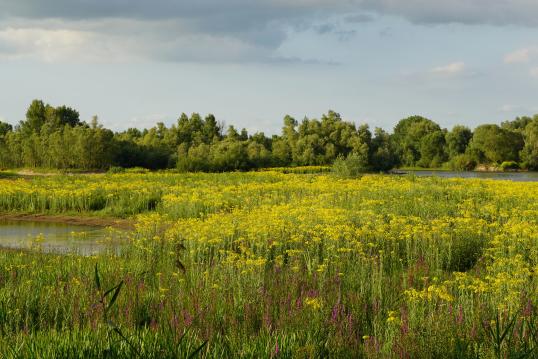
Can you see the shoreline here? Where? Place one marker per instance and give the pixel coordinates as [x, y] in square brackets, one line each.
[125, 224]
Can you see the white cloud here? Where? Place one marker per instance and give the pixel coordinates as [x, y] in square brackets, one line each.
[518, 56]
[521, 56]
[528, 56]
[52, 45]
[450, 69]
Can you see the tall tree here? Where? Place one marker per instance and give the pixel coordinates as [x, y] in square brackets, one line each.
[35, 118]
[5, 128]
[457, 140]
[529, 154]
[384, 156]
[408, 135]
[493, 144]
[432, 150]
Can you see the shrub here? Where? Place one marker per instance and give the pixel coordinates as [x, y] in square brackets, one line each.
[351, 166]
[509, 165]
[463, 162]
[116, 169]
[136, 170]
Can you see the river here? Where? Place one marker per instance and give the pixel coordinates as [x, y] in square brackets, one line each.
[512, 176]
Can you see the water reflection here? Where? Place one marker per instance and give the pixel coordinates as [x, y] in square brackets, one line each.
[58, 237]
[512, 176]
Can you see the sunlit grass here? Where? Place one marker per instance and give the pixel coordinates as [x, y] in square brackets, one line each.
[273, 264]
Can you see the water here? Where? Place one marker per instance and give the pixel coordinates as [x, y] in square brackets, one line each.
[512, 176]
[57, 237]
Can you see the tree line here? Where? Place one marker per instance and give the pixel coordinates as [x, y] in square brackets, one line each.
[55, 137]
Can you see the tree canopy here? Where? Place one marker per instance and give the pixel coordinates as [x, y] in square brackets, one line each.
[55, 137]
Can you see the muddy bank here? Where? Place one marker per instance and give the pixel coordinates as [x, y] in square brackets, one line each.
[125, 224]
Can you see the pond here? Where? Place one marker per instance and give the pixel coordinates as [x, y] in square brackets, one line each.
[58, 237]
[512, 176]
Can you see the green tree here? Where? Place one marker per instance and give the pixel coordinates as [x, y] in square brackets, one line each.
[518, 124]
[493, 144]
[432, 150]
[408, 135]
[64, 115]
[35, 118]
[529, 154]
[211, 130]
[384, 156]
[281, 151]
[457, 140]
[5, 128]
[229, 155]
[258, 155]
[232, 134]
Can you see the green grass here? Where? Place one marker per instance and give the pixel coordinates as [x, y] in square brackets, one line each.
[269, 264]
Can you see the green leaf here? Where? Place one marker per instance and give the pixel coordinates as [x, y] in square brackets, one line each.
[97, 280]
[194, 353]
[115, 296]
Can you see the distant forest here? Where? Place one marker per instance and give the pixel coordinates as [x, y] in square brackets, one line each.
[55, 137]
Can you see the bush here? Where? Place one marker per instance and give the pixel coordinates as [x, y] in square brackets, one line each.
[136, 170]
[509, 165]
[351, 166]
[116, 169]
[463, 162]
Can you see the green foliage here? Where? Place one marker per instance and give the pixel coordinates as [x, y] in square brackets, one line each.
[351, 166]
[266, 264]
[518, 124]
[462, 162]
[493, 144]
[509, 165]
[383, 153]
[432, 150]
[465, 253]
[136, 170]
[408, 136]
[40, 115]
[54, 137]
[529, 153]
[5, 128]
[116, 169]
[457, 140]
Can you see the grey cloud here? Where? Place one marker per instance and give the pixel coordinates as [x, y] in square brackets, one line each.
[325, 28]
[261, 25]
[224, 30]
[236, 15]
[359, 18]
[492, 12]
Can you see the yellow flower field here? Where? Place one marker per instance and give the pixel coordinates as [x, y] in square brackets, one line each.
[379, 266]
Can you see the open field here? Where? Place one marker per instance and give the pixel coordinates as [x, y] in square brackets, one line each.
[270, 264]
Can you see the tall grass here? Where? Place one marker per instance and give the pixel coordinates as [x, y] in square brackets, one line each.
[283, 265]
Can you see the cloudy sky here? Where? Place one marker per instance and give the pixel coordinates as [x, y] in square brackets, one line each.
[250, 62]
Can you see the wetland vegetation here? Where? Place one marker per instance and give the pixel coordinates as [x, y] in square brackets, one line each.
[277, 264]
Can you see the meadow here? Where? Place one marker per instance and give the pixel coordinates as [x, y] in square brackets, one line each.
[275, 264]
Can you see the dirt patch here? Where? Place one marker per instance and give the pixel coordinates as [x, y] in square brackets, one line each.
[88, 221]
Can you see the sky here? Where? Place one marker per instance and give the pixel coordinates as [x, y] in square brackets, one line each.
[250, 62]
